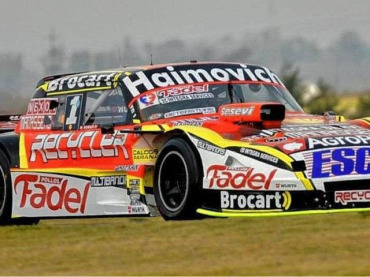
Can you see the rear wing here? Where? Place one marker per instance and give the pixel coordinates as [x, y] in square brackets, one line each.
[9, 122]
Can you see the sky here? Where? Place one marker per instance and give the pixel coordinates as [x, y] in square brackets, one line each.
[97, 24]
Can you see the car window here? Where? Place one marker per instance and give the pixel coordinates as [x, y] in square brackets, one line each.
[89, 108]
[207, 98]
[105, 107]
[181, 100]
[57, 122]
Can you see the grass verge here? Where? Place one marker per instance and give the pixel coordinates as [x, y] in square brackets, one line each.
[303, 245]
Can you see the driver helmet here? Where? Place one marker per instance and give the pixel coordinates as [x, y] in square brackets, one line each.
[255, 87]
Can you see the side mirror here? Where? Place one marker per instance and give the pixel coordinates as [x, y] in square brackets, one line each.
[53, 104]
[107, 129]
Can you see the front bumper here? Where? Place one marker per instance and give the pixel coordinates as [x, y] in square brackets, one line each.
[338, 196]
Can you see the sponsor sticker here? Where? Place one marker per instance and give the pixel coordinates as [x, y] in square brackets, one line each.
[37, 110]
[130, 167]
[90, 144]
[136, 209]
[277, 200]
[315, 143]
[148, 100]
[340, 162]
[285, 186]
[155, 116]
[204, 110]
[293, 146]
[109, 181]
[174, 94]
[147, 80]
[193, 121]
[182, 90]
[15, 117]
[40, 106]
[35, 122]
[307, 131]
[237, 111]
[50, 193]
[259, 155]
[183, 93]
[276, 139]
[352, 196]
[238, 178]
[185, 97]
[82, 82]
[210, 148]
[145, 155]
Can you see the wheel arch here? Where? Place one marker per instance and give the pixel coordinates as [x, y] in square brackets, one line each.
[9, 144]
[159, 143]
[162, 139]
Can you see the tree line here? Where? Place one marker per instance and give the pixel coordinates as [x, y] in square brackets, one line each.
[339, 67]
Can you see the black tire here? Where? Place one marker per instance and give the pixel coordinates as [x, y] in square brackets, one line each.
[177, 181]
[5, 190]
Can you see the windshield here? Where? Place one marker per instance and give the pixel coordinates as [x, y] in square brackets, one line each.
[105, 106]
[207, 98]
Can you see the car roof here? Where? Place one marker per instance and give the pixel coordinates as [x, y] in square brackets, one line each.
[129, 70]
[140, 79]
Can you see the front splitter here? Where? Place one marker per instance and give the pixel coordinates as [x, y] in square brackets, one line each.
[277, 213]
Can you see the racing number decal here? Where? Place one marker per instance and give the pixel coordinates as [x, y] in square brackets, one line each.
[74, 103]
[73, 111]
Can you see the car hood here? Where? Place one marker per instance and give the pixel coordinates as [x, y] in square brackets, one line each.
[299, 132]
[291, 138]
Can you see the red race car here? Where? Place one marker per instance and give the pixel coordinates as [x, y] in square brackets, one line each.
[192, 139]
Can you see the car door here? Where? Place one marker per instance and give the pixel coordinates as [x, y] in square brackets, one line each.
[72, 160]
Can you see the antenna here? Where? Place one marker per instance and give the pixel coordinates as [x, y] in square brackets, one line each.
[151, 59]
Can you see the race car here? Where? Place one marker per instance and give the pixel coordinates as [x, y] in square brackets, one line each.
[8, 122]
[188, 140]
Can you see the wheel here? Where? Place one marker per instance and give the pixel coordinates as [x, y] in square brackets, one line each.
[177, 181]
[6, 196]
[5, 190]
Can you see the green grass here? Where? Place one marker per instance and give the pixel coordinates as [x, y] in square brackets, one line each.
[303, 245]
